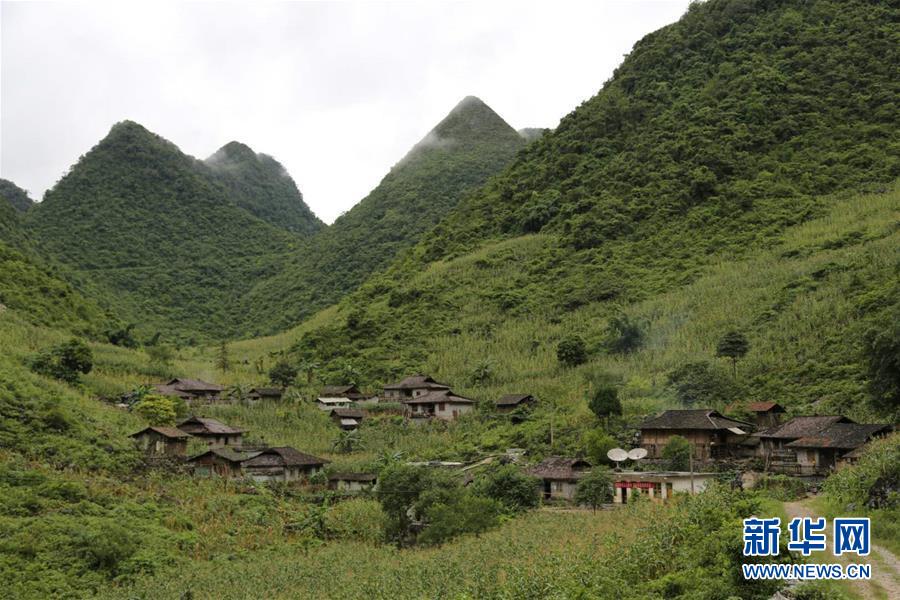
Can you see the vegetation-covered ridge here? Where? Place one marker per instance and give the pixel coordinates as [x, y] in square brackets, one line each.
[259, 184]
[16, 196]
[468, 146]
[164, 240]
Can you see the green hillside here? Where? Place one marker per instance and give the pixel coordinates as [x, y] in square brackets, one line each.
[644, 188]
[16, 196]
[164, 241]
[468, 146]
[259, 184]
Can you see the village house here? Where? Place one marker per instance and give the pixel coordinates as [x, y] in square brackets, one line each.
[657, 485]
[350, 392]
[559, 476]
[511, 402]
[162, 442]
[818, 454]
[772, 446]
[190, 390]
[283, 464]
[711, 434]
[258, 394]
[215, 433]
[352, 482]
[347, 419]
[326, 403]
[438, 404]
[412, 387]
[766, 414]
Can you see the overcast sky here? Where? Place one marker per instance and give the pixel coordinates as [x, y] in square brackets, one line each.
[337, 92]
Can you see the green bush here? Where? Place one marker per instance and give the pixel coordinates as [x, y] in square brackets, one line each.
[356, 519]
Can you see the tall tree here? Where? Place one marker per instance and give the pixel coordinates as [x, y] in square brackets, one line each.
[733, 345]
[223, 362]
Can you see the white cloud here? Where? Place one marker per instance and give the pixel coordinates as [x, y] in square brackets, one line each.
[336, 91]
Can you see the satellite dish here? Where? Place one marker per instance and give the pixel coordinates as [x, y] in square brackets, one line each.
[637, 453]
[617, 455]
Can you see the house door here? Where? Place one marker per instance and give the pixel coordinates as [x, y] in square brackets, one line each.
[548, 492]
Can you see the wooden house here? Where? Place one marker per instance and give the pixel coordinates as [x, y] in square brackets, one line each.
[162, 442]
[191, 390]
[766, 414]
[281, 464]
[412, 387]
[559, 476]
[511, 402]
[215, 433]
[772, 447]
[347, 419]
[818, 454]
[711, 434]
[258, 394]
[352, 482]
[438, 404]
[351, 392]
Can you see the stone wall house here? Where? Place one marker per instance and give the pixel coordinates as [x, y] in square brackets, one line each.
[511, 402]
[352, 482]
[439, 404]
[711, 434]
[412, 387]
[347, 419]
[819, 454]
[259, 394]
[773, 442]
[193, 391]
[283, 464]
[659, 486]
[215, 433]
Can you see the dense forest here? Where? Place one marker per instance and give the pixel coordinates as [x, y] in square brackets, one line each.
[15, 195]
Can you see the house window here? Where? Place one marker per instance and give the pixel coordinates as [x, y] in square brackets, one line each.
[558, 485]
[442, 407]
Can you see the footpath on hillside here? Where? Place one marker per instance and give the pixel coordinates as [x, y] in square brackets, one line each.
[885, 581]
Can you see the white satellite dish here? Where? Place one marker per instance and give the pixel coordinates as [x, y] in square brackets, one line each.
[637, 453]
[617, 455]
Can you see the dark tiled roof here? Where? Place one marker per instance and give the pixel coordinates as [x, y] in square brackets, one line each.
[701, 418]
[557, 467]
[435, 397]
[266, 391]
[513, 399]
[338, 390]
[353, 477]
[205, 426]
[417, 382]
[840, 435]
[347, 413]
[193, 385]
[169, 432]
[799, 427]
[284, 456]
[232, 455]
[765, 407]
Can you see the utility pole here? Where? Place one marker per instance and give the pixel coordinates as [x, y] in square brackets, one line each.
[691, 463]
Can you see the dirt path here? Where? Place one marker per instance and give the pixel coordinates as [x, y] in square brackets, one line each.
[885, 582]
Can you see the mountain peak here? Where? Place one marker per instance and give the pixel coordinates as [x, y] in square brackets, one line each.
[471, 118]
[232, 152]
[16, 196]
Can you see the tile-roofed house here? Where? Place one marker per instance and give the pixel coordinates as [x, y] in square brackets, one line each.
[215, 433]
[327, 403]
[265, 393]
[439, 404]
[711, 434]
[773, 441]
[819, 453]
[342, 391]
[161, 442]
[559, 476]
[347, 418]
[766, 414]
[511, 402]
[352, 482]
[411, 387]
[282, 463]
[270, 464]
[191, 390]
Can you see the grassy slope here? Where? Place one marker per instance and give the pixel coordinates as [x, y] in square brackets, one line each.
[471, 144]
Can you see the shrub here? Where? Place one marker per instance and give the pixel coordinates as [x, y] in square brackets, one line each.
[678, 453]
[624, 336]
[283, 374]
[698, 383]
[595, 488]
[511, 487]
[67, 361]
[157, 410]
[571, 351]
[605, 401]
[781, 487]
[356, 519]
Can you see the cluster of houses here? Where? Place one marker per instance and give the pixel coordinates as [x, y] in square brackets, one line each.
[800, 446]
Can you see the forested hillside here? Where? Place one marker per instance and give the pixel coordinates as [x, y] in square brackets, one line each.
[16, 196]
[259, 184]
[715, 136]
[166, 242]
[467, 147]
